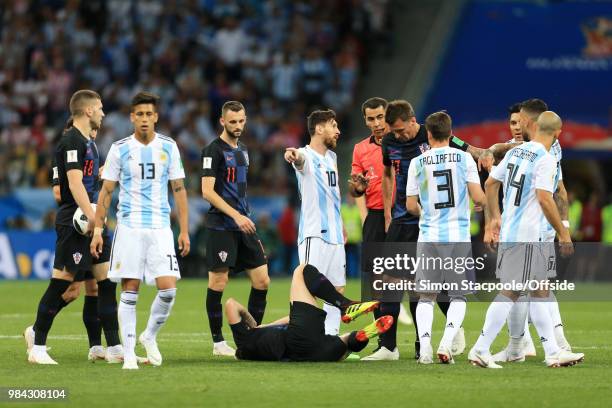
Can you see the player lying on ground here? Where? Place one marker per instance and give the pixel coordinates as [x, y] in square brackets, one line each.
[301, 335]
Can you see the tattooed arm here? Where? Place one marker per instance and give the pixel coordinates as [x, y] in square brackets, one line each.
[104, 202]
[180, 198]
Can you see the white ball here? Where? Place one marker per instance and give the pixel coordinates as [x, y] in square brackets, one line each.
[80, 221]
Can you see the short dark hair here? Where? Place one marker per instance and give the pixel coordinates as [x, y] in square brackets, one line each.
[234, 106]
[80, 99]
[145, 98]
[514, 108]
[373, 103]
[317, 117]
[439, 124]
[398, 109]
[534, 107]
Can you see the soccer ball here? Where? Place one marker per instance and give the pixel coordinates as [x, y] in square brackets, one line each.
[80, 221]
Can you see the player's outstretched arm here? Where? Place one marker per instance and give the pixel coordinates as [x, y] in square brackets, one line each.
[180, 198]
[549, 208]
[295, 157]
[104, 202]
[209, 194]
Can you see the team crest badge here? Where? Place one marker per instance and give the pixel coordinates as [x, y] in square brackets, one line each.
[223, 256]
[77, 257]
[423, 147]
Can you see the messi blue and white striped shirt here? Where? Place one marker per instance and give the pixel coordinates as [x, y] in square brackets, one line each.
[440, 178]
[143, 172]
[524, 169]
[320, 195]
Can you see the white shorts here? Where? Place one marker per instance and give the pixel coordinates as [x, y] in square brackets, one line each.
[139, 253]
[329, 259]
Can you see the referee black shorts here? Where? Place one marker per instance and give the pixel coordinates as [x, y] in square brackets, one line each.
[374, 226]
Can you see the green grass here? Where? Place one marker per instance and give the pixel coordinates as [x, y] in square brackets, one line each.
[191, 376]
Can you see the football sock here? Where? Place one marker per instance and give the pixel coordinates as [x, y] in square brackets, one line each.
[215, 314]
[332, 320]
[160, 310]
[257, 304]
[91, 321]
[318, 285]
[50, 304]
[454, 320]
[355, 345]
[497, 313]
[516, 322]
[107, 311]
[389, 338]
[540, 317]
[377, 314]
[127, 321]
[424, 316]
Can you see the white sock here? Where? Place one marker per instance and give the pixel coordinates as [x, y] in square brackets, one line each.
[37, 349]
[127, 321]
[553, 309]
[497, 313]
[517, 318]
[332, 321]
[540, 317]
[454, 320]
[527, 336]
[424, 318]
[160, 310]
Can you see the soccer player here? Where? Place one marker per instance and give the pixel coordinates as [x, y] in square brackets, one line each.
[407, 141]
[320, 235]
[87, 279]
[528, 173]
[143, 243]
[232, 242]
[441, 179]
[365, 183]
[77, 169]
[520, 344]
[300, 336]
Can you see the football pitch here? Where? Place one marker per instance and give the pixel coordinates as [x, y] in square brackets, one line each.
[191, 376]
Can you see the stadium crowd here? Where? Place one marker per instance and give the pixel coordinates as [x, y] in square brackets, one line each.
[195, 54]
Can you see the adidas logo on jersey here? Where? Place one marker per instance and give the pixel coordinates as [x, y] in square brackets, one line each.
[223, 256]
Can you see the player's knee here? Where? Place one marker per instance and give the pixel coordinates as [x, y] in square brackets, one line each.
[91, 288]
[217, 281]
[167, 295]
[230, 304]
[261, 282]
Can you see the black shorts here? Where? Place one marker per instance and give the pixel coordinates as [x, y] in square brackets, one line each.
[81, 276]
[234, 250]
[306, 338]
[71, 250]
[241, 333]
[402, 232]
[374, 226]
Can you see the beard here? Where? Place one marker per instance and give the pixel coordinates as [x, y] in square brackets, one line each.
[235, 134]
[330, 143]
[94, 125]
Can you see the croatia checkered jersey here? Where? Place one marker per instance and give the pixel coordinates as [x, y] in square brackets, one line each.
[440, 178]
[524, 169]
[548, 232]
[143, 172]
[320, 196]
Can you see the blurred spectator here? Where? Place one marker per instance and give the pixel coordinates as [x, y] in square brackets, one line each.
[606, 223]
[352, 225]
[287, 232]
[575, 214]
[590, 223]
